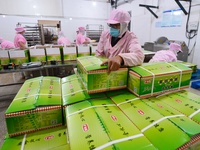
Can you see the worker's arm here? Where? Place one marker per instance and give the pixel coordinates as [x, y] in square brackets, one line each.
[22, 45]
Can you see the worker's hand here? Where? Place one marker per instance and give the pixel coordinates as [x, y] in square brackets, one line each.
[114, 63]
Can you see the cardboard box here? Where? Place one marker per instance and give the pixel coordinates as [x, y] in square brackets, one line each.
[183, 104]
[50, 139]
[53, 54]
[190, 65]
[83, 50]
[37, 55]
[36, 106]
[184, 123]
[19, 57]
[69, 53]
[73, 90]
[84, 127]
[151, 123]
[123, 133]
[158, 78]
[95, 77]
[4, 57]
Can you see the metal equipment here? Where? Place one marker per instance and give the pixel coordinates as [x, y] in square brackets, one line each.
[159, 45]
[93, 31]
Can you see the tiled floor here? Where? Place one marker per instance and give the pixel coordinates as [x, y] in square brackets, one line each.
[8, 95]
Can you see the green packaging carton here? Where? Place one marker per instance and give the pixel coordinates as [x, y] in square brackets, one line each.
[95, 77]
[83, 50]
[151, 123]
[190, 65]
[69, 53]
[84, 127]
[73, 90]
[50, 139]
[53, 54]
[157, 78]
[4, 57]
[37, 55]
[184, 105]
[19, 57]
[123, 133]
[36, 106]
[183, 122]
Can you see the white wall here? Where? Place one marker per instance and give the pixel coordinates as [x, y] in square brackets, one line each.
[144, 23]
[82, 12]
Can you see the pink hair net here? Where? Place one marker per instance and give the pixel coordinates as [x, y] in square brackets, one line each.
[119, 16]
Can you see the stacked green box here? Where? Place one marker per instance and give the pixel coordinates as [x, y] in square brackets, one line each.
[37, 55]
[50, 139]
[19, 57]
[190, 65]
[158, 78]
[162, 133]
[36, 106]
[53, 54]
[184, 123]
[184, 105]
[84, 127]
[4, 57]
[123, 133]
[95, 77]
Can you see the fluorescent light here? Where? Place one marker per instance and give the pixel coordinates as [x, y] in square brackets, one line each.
[94, 3]
[70, 18]
[34, 6]
[4, 16]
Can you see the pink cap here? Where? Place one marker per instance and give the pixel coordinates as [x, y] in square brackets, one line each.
[81, 29]
[119, 16]
[175, 47]
[19, 29]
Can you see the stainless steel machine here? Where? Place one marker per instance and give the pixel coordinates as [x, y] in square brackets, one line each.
[162, 44]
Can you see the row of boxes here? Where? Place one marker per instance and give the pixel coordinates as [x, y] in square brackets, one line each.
[46, 54]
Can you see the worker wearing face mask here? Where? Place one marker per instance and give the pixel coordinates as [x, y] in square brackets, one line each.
[118, 44]
[4, 44]
[169, 55]
[81, 38]
[62, 40]
[19, 41]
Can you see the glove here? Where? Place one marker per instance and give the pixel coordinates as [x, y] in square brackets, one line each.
[114, 63]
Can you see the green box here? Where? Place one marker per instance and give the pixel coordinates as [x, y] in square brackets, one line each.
[37, 55]
[50, 139]
[36, 106]
[158, 78]
[190, 65]
[4, 57]
[73, 90]
[19, 57]
[183, 104]
[123, 133]
[151, 123]
[84, 127]
[53, 53]
[95, 77]
[183, 122]
[69, 53]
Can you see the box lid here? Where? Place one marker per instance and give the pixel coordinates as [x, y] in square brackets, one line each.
[149, 69]
[92, 62]
[37, 92]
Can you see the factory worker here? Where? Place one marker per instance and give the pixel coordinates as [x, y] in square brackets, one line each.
[62, 40]
[81, 38]
[6, 44]
[19, 41]
[118, 44]
[169, 55]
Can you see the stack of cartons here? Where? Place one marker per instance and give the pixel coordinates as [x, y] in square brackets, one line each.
[53, 53]
[37, 54]
[19, 57]
[36, 106]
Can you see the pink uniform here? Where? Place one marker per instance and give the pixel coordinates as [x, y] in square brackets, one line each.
[7, 44]
[167, 55]
[127, 47]
[80, 39]
[63, 41]
[19, 38]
